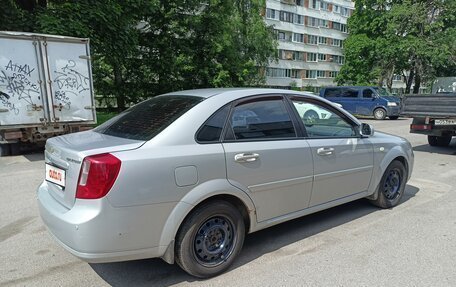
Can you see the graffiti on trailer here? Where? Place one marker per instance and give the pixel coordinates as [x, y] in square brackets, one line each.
[64, 99]
[68, 79]
[15, 82]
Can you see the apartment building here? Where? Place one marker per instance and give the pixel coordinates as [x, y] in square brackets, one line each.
[311, 36]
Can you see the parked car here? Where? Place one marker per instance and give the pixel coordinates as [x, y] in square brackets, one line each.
[184, 176]
[365, 101]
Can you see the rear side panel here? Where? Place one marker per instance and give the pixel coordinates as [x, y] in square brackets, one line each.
[70, 84]
[22, 94]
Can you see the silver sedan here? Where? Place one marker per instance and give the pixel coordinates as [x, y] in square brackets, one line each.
[186, 175]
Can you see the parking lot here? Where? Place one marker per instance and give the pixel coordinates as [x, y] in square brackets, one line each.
[355, 244]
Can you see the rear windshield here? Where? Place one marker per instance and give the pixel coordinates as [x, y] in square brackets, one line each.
[146, 119]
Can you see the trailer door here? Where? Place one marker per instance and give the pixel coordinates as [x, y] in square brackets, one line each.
[70, 85]
[21, 85]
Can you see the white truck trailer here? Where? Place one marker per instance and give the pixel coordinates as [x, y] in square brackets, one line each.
[46, 88]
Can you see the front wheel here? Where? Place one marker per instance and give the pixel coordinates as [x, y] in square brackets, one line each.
[210, 239]
[379, 114]
[392, 185]
[439, 141]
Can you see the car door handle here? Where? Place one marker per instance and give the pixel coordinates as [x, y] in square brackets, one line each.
[325, 151]
[246, 157]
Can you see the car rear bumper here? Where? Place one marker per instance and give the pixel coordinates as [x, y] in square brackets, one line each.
[95, 231]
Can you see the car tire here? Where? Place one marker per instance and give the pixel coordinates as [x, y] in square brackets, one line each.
[310, 115]
[441, 141]
[393, 117]
[5, 150]
[392, 185]
[379, 114]
[210, 239]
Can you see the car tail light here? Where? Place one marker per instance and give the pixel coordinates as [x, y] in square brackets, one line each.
[421, 127]
[97, 176]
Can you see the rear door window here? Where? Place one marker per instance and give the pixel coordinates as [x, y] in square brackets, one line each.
[147, 119]
[368, 94]
[265, 118]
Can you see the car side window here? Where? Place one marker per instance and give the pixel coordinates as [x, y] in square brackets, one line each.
[350, 93]
[262, 119]
[212, 129]
[368, 94]
[322, 122]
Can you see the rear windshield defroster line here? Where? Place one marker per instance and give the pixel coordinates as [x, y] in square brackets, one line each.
[147, 119]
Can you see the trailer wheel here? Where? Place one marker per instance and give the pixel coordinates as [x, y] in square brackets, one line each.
[4, 150]
[439, 141]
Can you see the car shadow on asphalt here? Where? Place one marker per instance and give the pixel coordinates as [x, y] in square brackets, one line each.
[155, 272]
[450, 150]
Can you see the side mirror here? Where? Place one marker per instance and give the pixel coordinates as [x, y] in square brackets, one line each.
[367, 130]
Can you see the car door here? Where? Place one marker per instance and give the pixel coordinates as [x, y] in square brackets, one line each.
[343, 160]
[265, 156]
[366, 102]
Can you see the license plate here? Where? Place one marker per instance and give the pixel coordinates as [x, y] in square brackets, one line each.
[445, 122]
[55, 175]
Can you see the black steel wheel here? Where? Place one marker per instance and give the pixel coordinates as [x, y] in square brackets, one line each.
[392, 185]
[210, 238]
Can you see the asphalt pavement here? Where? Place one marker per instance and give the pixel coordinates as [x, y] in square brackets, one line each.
[356, 244]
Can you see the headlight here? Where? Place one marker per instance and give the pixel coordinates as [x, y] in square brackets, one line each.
[392, 104]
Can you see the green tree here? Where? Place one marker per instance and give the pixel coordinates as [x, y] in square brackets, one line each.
[409, 37]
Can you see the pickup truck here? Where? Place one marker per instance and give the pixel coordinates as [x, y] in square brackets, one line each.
[433, 115]
[45, 88]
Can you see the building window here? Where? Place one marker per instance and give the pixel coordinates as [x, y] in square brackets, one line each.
[321, 57]
[343, 28]
[313, 22]
[271, 14]
[312, 39]
[281, 36]
[344, 11]
[286, 55]
[336, 26]
[299, 19]
[300, 2]
[311, 74]
[278, 73]
[336, 9]
[311, 57]
[315, 4]
[324, 23]
[322, 40]
[397, 78]
[296, 74]
[321, 74]
[298, 37]
[298, 56]
[336, 42]
[286, 16]
[333, 74]
[324, 6]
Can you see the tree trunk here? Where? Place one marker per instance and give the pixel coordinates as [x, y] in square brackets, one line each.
[409, 81]
[118, 82]
[416, 87]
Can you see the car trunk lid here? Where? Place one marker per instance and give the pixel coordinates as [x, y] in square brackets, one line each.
[67, 153]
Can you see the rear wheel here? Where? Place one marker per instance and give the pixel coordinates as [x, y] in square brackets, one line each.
[439, 141]
[379, 114]
[392, 186]
[210, 239]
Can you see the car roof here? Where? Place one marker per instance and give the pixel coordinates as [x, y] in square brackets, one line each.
[351, 87]
[211, 92]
